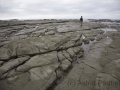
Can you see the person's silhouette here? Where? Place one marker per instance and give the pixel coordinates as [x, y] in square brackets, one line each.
[81, 20]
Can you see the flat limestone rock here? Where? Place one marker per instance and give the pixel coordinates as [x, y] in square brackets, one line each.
[106, 81]
[113, 69]
[4, 54]
[50, 55]
[39, 61]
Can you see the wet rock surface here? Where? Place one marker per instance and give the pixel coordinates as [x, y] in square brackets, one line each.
[58, 55]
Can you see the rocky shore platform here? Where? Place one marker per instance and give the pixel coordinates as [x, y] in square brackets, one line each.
[59, 55]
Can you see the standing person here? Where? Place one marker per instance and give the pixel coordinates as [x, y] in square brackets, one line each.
[81, 20]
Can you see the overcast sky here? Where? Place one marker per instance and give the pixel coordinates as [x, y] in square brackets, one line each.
[59, 9]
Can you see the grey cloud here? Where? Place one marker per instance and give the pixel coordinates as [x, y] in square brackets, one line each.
[59, 9]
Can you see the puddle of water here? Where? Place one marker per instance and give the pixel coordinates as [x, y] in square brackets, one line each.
[107, 37]
[107, 29]
[86, 47]
[83, 36]
[108, 40]
[36, 27]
